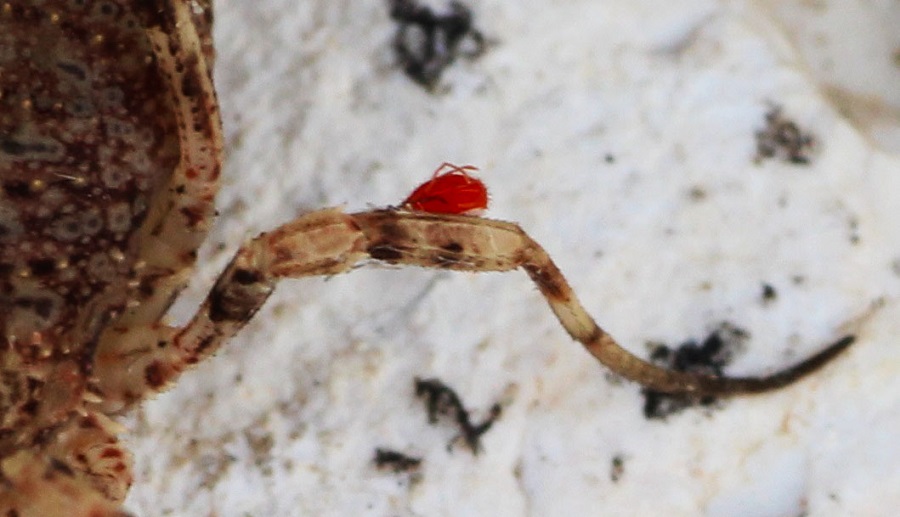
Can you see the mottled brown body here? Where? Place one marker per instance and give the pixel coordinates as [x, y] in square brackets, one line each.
[95, 165]
[110, 149]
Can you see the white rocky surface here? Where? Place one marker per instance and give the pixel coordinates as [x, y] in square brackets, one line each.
[620, 135]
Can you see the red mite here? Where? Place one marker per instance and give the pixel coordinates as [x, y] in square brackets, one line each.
[452, 192]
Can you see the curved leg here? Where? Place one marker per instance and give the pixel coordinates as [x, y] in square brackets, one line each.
[178, 219]
[330, 242]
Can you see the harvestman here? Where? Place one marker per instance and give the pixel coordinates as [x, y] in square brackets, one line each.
[110, 151]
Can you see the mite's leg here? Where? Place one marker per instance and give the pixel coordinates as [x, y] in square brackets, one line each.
[83, 473]
[330, 242]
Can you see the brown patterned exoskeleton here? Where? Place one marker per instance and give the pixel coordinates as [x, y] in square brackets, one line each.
[110, 151]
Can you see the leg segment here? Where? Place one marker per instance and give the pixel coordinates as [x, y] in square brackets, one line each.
[179, 217]
[84, 473]
[330, 242]
[474, 244]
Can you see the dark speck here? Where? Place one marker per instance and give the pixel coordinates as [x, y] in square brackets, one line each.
[452, 247]
[784, 139]
[41, 267]
[396, 461]
[617, 468]
[246, 276]
[769, 294]
[73, 70]
[17, 189]
[441, 400]
[428, 41]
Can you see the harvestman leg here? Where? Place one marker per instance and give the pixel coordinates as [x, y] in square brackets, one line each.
[330, 242]
[86, 472]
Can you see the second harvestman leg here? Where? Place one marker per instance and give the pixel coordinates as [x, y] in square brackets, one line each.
[330, 242]
[84, 472]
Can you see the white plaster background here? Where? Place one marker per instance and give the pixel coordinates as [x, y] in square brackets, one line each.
[284, 420]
